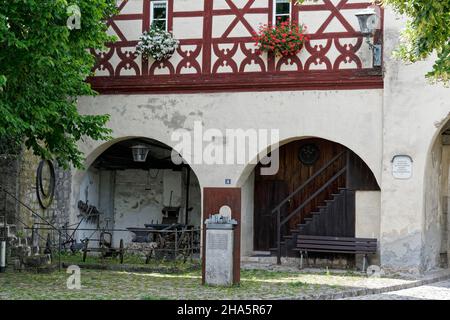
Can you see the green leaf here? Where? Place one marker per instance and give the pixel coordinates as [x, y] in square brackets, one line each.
[46, 65]
[427, 33]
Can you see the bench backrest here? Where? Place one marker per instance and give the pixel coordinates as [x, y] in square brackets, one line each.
[336, 244]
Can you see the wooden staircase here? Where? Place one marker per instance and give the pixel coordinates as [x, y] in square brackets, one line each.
[335, 219]
[332, 216]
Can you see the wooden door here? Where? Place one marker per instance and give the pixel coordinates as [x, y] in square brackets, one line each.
[267, 193]
[294, 173]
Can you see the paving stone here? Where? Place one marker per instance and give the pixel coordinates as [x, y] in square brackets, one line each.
[435, 291]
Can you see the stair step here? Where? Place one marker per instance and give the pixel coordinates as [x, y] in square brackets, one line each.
[308, 219]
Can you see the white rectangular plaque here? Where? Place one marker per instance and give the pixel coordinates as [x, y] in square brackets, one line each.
[402, 167]
[219, 257]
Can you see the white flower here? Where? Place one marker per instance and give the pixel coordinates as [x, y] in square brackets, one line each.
[157, 44]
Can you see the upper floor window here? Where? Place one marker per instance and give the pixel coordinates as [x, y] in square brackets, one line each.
[158, 14]
[282, 11]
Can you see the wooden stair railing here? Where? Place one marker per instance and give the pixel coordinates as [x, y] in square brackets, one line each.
[277, 210]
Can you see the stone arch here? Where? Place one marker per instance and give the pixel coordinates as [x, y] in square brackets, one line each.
[249, 179]
[161, 175]
[250, 166]
[436, 199]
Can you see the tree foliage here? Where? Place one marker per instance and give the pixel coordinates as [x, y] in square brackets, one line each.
[43, 67]
[427, 32]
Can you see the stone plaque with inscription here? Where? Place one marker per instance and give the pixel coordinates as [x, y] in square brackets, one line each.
[402, 167]
[219, 254]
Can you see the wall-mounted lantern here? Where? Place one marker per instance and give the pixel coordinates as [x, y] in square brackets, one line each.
[369, 21]
[140, 152]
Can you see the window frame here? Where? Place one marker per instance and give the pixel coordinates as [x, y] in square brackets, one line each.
[275, 15]
[152, 8]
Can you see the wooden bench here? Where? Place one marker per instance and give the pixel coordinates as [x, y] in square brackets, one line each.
[341, 245]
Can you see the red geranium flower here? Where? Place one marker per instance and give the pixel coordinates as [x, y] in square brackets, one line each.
[286, 38]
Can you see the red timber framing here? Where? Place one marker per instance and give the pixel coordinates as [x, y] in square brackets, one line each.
[222, 56]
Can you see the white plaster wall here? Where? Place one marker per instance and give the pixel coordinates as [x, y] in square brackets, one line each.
[172, 188]
[367, 214]
[433, 209]
[413, 113]
[106, 197]
[195, 202]
[139, 199]
[445, 194]
[89, 187]
[247, 215]
[349, 117]
[135, 206]
[89, 192]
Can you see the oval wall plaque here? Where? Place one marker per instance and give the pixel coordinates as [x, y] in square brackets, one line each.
[45, 183]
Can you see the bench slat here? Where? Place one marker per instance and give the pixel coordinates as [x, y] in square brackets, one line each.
[334, 251]
[328, 242]
[334, 247]
[335, 238]
[344, 245]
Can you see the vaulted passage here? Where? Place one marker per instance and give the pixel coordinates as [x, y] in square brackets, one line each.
[135, 194]
[314, 191]
[437, 202]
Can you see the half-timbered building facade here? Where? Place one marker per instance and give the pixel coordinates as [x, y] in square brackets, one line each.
[363, 144]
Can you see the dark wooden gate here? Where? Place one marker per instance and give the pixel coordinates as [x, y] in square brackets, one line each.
[266, 194]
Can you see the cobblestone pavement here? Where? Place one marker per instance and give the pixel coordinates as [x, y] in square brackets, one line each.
[434, 291]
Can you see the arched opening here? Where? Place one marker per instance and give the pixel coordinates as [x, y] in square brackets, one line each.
[315, 190]
[437, 201]
[149, 203]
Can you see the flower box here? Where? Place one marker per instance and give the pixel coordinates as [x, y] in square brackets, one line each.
[285, 39]
[157, 44]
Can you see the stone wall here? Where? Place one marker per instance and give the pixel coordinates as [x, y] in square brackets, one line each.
[57, 213]
[9, 175]
[18, 176]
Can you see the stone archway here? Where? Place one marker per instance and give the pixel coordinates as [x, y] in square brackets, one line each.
[436, 244]
[261, 194]
[132, 194]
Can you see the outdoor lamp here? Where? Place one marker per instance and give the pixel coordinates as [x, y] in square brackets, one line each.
[368, 23]
[140, 152]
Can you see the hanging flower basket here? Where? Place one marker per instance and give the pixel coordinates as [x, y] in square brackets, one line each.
[157, 44]
[285, 39]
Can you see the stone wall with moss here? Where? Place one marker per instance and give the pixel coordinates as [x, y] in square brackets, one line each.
[18, 176]
[9, 175]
